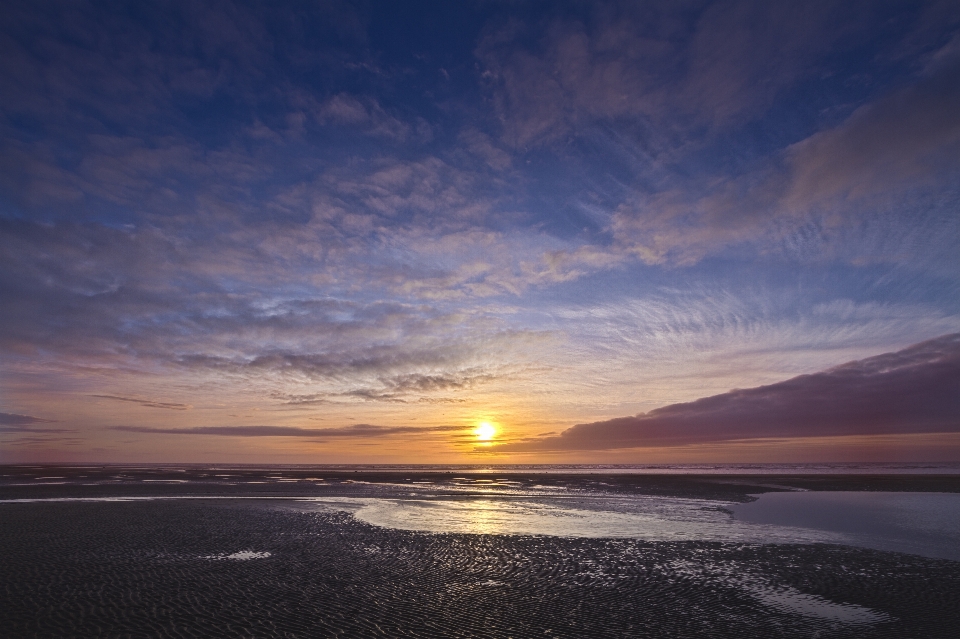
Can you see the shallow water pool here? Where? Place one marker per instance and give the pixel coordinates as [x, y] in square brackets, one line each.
[925, 524]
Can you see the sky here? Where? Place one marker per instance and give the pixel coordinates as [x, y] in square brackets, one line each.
[353, 232]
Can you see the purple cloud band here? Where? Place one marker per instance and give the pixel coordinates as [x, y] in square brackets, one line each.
[915, 390]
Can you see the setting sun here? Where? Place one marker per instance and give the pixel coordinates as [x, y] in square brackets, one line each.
[485, 431]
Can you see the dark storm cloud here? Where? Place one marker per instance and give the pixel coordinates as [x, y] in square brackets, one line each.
[916, 390]
[355, 431]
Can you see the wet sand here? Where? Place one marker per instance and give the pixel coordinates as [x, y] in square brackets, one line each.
[215, 569]
[275, 568]
[39, 482]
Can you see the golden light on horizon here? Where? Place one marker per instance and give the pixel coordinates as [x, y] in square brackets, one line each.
[485, 431]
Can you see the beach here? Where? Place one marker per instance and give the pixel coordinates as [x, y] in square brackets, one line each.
[277, 559]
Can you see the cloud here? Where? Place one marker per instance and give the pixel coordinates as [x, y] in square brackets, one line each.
[404, 388]
[911, 136]
[668, 87]
[146, 402]
[25, 424]
[12, 419]
[668, 64]
[896, 154]
[367, 115]
[915, 390]
[273, 204]
[429, 190]
[392, 365]
[480, 145]
[102, 299]
[355, 431]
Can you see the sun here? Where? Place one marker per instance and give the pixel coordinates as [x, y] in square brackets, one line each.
[485, 431]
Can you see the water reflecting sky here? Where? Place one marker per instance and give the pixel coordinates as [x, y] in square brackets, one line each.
[639, 517]
[920, 523]
[926, 524]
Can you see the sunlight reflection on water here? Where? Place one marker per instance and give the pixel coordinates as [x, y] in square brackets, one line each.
[926, 524]
[642, 517]
[639, 517]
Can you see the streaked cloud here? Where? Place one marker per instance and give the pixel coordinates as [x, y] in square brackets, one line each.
[26, 425]
[357, 430]
[13, 419]
[146, 402]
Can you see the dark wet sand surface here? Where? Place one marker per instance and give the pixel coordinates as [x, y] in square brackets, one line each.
[164, 568]
[96, 481]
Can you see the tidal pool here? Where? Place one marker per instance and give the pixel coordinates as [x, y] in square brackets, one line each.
[926, 524]
[637, 517]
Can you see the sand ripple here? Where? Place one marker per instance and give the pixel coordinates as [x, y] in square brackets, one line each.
[250, 569]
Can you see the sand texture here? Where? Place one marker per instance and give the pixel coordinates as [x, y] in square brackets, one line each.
[44, 482]
[198, 568]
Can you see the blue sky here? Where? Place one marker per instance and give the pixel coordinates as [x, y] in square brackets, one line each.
[402, 219]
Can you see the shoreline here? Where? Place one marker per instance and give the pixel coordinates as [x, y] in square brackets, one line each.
[211, 569]
[120, 481]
